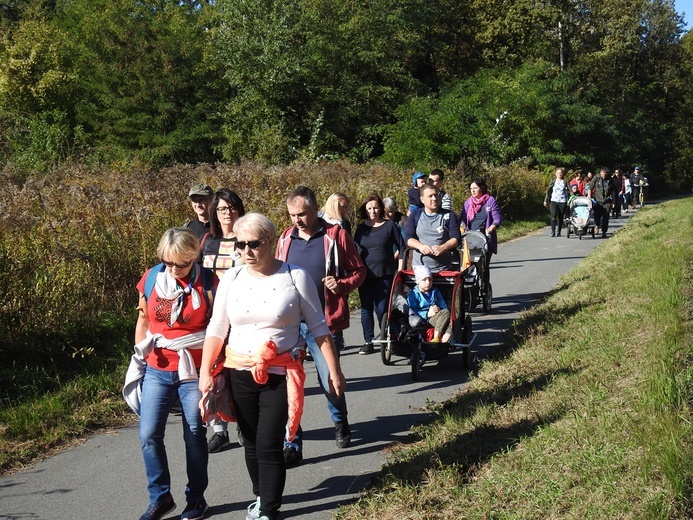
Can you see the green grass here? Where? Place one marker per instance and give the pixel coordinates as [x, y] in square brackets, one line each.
[584, 412]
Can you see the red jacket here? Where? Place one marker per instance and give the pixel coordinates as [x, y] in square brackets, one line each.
[342, 261]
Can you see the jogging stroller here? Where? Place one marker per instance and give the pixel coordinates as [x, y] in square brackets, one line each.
[398, 338]
[476, 288]
[580, 217]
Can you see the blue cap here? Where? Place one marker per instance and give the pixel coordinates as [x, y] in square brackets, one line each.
[637, 167]
[417, 175]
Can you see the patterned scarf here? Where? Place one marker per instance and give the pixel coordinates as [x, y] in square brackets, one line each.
[168, 288]
[475, 205]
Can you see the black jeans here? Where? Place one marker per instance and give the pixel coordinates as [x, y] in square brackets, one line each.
[262, 412]
[601, 215]
[557, 215]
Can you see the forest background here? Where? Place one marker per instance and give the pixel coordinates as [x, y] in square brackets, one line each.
[110, 110]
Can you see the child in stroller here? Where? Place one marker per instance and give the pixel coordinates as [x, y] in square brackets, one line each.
[427, 307]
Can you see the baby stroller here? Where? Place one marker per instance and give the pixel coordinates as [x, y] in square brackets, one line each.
[580, 217]
[476, 289]
[399, 338]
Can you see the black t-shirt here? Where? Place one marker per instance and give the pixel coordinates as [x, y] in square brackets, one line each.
[377, 246]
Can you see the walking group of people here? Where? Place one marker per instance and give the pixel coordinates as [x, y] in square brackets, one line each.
[611, 194]
[235, 305]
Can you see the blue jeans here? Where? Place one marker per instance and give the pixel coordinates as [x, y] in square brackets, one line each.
[159, 391]
[336, 406]
[374, 295]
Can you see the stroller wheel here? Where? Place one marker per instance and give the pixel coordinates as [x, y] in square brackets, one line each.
[488, 298]
[417, 361]
[386, 345]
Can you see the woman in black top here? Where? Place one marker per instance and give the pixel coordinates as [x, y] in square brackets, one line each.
[378, 240]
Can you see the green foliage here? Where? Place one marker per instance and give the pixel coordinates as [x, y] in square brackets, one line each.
[160, 83]
[499, 116]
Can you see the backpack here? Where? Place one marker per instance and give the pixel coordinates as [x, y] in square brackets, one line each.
[208, 289]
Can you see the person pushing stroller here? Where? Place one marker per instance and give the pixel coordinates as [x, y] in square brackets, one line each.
[427, 305]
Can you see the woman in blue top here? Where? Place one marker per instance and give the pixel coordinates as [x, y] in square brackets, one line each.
[377, 240]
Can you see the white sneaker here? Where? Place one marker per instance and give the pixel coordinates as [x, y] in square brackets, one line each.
[254, 510]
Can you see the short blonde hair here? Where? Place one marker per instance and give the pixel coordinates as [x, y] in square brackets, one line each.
[179, 243]
[256, 223]
[331, 207]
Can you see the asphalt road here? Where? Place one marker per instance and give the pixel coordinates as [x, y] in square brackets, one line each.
[103, 478]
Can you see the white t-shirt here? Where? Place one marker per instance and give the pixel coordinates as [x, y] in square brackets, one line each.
[261, 308]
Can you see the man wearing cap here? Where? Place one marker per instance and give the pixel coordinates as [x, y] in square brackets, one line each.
[418, 180]
[433, 232]
[636, 179]
[200, 196]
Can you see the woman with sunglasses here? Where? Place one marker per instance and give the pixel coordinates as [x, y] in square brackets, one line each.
[174, 310]
[260, 307]
[219, 253]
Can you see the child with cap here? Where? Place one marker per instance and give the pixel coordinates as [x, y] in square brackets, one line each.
[426, 305]
[418, 180]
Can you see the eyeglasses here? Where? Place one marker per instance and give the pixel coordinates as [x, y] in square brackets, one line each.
[226, 209]
[252, 244]
[179, 266]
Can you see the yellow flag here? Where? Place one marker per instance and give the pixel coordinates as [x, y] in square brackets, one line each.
[466, 262]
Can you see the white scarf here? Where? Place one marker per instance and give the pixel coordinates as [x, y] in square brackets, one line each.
[132, 389]
[168, 288]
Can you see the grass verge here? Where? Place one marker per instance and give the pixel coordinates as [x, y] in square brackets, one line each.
[585, 412]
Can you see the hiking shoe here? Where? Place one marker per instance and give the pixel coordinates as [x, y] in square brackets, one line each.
[367, 349]
[342, 434]
[253, 510]
[218, 442]
[158, 511]
[194, 510]
[240, 435]
[293, 455]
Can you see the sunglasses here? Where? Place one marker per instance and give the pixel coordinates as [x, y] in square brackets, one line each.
[179, 266]
[252, 244]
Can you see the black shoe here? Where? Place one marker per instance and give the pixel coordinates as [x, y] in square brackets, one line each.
[367, 349]
[603, 235]
[240, 435]
[342, 434]
[293, 455]
[218, 442]
[553, 234]
[558, 234]
[158, 511]
[194, 511]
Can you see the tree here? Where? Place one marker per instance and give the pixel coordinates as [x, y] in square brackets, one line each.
[499, 116]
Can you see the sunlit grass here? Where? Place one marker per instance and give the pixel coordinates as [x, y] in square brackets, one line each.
[584, 413]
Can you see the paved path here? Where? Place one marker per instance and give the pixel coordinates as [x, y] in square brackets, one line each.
[104, 477]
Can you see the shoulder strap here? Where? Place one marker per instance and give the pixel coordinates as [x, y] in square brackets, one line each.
[150, 281]
[208, 289]
[202, 242]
